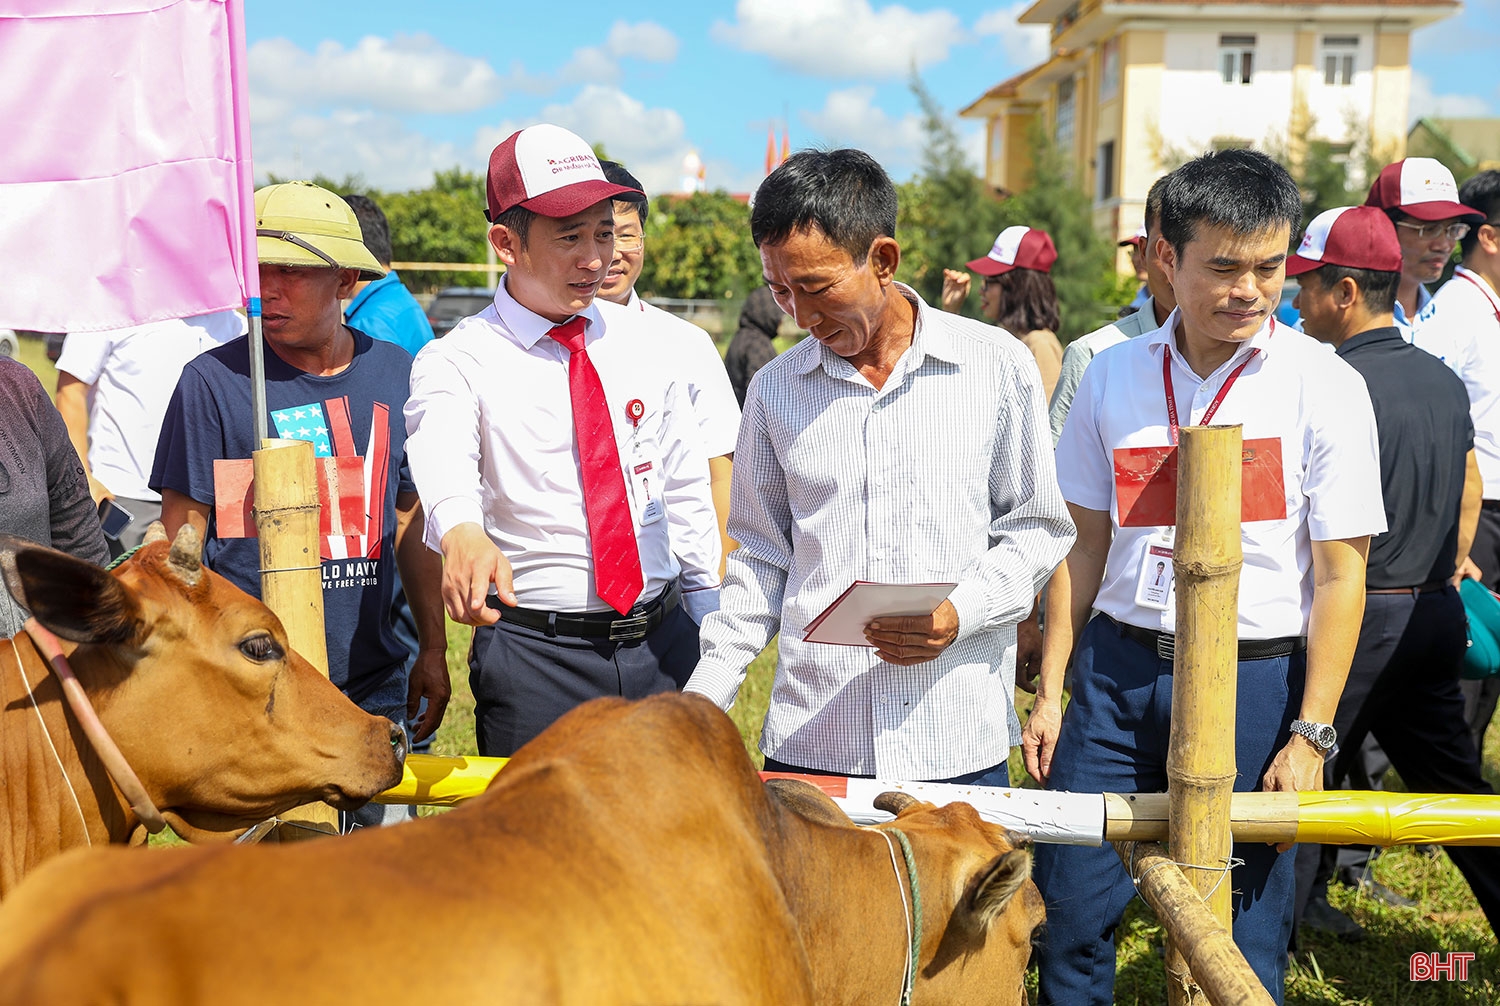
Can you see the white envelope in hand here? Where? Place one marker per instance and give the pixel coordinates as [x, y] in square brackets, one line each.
[843, 622]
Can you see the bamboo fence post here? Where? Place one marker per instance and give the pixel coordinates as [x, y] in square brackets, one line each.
[291, 577]
[1218, 968]
[1206, 560]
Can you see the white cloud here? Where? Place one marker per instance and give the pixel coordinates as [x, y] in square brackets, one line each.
[1455, 106]
[1024, 44]
[377, 147]
[842, 38]
[650, 141]
[850, 118]
[646, 40]
[405, 73]
[600, 64]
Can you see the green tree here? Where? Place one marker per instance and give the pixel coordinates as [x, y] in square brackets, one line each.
[948, 215]
[441, 223]
[1088, 287]
[698, 246]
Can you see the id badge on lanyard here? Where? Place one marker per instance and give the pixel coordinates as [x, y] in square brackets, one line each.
[1154, 587]
[643, 475]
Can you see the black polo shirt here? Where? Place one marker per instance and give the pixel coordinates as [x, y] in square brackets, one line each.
[1422, 415]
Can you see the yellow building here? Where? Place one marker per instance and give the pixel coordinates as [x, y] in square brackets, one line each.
[1134, 87]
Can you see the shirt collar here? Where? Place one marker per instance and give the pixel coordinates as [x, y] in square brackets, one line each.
[930, 336]
[369, 291]
[1482, 283]
[1371, 337]
[634, 302]
[529, 328]
[1163, 335]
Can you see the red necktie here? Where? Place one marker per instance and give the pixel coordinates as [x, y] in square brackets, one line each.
[617, 559]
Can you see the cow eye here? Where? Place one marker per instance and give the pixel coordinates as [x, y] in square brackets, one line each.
[260, 648]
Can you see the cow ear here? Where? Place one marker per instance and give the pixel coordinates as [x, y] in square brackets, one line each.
[75, 599]
[996, 884]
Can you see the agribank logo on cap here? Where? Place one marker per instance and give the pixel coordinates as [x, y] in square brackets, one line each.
[1018, 248]
[1419, 187]
[547, 170]
[1356, 237]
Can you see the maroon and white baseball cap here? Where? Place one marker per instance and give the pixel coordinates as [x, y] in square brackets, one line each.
[1419, 187]
[1018, 248]
[1358, 237]
[1138, 238]
[549, 171]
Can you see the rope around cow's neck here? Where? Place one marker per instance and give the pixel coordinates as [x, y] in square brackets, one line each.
[109, 753]
[21, 668]
[913, 917]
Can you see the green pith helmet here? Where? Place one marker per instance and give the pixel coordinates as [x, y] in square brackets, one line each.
[302, 224]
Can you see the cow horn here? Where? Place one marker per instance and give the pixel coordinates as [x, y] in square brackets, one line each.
[185, 559]
[894, 802]
[155, 532]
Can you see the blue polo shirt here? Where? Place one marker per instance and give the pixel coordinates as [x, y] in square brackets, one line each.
[386, 310]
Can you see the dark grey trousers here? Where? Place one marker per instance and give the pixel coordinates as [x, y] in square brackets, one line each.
[523, 680]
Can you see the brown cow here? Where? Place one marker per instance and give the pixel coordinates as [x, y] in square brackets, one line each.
[630, 854]
[224, 725]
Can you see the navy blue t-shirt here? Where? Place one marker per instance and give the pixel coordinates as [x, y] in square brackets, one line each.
[357, 412]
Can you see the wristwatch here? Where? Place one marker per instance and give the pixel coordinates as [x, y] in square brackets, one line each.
[1321, 734]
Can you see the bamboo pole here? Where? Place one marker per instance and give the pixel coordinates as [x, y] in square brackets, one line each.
[1217, 967]
[1206, 562]
[291, 576]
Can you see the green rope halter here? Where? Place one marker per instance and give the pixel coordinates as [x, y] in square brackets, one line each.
[910, 982]
[122, 559]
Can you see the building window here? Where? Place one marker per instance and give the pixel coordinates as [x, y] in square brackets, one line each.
[1106, 170]
[1338, 59]
[1064, 133]
[1236, 58]
[997, 147]
[1109, 70]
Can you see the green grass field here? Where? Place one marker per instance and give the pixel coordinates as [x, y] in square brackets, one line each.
[1328, 973]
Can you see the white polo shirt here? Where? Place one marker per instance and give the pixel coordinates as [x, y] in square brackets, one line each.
[1293, 391]
[131, 373]
[684, 345]
[490, 440]
[1463, 320]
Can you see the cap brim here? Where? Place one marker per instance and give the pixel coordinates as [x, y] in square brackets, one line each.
[988, 267]
[348, 254]
[576, 198]
[1131, 242]
[1296, 265]
[1440, 211]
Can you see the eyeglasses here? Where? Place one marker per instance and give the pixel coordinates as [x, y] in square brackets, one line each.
[1426, 232]
[629, 242]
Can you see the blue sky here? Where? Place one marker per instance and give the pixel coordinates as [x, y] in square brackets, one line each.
[393, 90]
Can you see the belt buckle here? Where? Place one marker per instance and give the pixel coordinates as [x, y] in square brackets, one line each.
[1166, 646]
[626, 630]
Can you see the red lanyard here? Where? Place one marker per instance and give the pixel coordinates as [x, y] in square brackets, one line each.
[1213, 406]
[1480, 287]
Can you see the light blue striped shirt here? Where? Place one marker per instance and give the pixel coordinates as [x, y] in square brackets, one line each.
[944, 474]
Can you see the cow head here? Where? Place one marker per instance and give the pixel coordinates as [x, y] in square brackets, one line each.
[222, 721]
[980, 905]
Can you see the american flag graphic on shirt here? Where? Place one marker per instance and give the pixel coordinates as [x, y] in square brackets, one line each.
[326, 424]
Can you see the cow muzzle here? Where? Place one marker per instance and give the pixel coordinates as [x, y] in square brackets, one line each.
[399, 743]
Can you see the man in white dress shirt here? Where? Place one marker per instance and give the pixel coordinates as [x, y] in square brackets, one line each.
[898, 444]
[562, 468]
[682, 345]
[1464, 317]
[1311, 499]
[112, 390]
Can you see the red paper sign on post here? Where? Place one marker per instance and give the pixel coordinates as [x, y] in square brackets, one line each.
[1146, 484]
[340, 479]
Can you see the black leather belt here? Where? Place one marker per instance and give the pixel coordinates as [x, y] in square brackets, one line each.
[1426, 588]
[1165, 643]
[594, 625]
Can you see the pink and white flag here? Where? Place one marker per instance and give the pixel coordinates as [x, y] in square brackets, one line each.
[126, 193]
